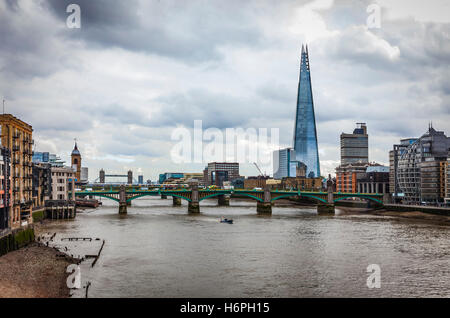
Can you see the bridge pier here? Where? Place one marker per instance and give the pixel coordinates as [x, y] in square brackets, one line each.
[194, 207]
[128, 203]
[265, 207]
[163, 197]
[122, 200]
[122, 208]
[223, 200]
[176, 201]
[194, 204]
[325, 208]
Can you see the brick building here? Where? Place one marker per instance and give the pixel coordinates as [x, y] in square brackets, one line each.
[17, 136]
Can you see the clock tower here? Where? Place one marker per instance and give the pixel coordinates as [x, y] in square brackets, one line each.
[76, 162]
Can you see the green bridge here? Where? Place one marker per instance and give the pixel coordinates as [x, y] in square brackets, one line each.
[193, 196]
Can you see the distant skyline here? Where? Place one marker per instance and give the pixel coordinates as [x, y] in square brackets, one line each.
[138, 69]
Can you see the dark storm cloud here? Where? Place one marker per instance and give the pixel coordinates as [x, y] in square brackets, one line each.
[188, 31]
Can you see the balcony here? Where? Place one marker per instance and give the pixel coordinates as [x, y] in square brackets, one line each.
[16, 148]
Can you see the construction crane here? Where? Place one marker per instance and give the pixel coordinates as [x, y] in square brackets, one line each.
[260, 172]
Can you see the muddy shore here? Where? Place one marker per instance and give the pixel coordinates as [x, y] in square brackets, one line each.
[35, 271]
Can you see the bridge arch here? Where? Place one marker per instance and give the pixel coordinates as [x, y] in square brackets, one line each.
[212, 196]
[156, 194]
[359, 196]
[311, 196]
[98, 195]
[284, 196]
[249, 195]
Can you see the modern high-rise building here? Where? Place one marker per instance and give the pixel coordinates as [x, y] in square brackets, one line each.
[355, 147]
[218, 172]
[394, 156]
[284, 164]
[46, 157]
[420, 169]
[305, 133]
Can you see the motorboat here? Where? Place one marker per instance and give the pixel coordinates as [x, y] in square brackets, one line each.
[224, 220]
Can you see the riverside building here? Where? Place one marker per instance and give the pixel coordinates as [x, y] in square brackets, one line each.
[17, 137]
[5, 189]
[421, 171]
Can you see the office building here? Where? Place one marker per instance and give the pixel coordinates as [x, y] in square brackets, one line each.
[218, 172]
[17, 136]
[394, 156]
[141, 179]
[305, 134]
[42, 184]
[46, 157]
[355, 147]
[419, 169]
[284, 163]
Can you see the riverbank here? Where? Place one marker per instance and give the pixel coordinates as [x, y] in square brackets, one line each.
[34, 271]
[416, 215]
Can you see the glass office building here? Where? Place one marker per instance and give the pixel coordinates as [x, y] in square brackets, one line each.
[305, 134]
[284, 164]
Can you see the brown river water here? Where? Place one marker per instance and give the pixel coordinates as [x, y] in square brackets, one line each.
[158, 250]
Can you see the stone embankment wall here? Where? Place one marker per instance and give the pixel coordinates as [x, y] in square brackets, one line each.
[16, 239]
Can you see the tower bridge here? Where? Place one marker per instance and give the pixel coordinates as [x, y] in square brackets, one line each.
[264, 198]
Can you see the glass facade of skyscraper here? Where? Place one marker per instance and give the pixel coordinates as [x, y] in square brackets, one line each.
[305, 134]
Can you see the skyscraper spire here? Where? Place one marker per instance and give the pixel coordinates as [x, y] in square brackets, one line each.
[305, 134]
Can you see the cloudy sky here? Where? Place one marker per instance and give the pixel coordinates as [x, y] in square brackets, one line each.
[136, 70]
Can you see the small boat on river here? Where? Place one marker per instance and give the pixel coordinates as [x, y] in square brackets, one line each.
[225, 220]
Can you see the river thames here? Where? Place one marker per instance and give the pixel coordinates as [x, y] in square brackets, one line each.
[158, 250]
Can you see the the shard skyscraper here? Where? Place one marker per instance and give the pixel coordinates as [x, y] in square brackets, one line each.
[305, 134]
